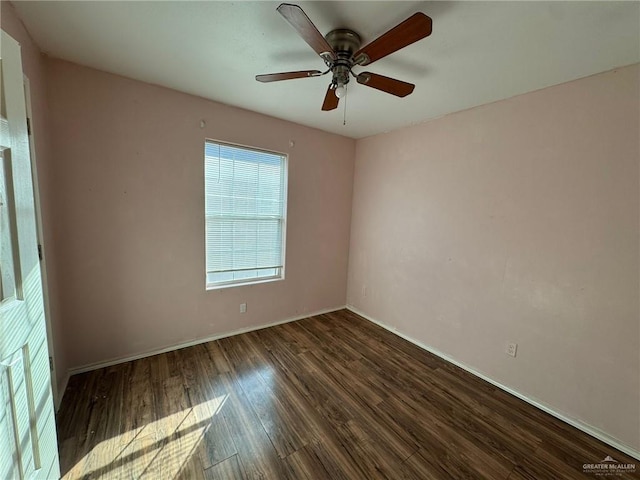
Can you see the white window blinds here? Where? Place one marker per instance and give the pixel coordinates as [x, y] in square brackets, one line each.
[245, 200]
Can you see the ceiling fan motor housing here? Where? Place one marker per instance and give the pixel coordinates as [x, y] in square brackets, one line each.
[344, 43]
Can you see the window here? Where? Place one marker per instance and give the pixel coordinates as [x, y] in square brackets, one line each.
[245, 205]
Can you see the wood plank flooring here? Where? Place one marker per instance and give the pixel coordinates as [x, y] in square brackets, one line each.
[329, 397]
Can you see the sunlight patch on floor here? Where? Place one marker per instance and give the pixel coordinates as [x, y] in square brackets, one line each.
[159, 449]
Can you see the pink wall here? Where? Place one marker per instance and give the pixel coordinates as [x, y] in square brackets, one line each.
[129, 183]
[33, 63]
[515, 222]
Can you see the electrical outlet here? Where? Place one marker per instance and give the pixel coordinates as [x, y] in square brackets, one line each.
[243, 308]
[364, 290]
[512, 349]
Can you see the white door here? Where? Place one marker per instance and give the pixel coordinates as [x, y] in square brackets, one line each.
[28, 446]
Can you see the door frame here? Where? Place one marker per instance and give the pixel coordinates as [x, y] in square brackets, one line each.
[43, 260]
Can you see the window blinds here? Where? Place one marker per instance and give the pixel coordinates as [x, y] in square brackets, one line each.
[244, 208]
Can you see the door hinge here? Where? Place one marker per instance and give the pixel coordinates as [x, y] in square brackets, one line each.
[40, 252]
[28, 126]
[51, 363]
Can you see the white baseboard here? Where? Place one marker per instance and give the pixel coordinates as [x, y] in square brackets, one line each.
[190, 343]
[580, 425]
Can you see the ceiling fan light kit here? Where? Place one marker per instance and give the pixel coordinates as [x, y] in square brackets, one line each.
[340, 50]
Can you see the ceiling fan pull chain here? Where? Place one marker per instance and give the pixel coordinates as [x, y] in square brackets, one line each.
[344, 118]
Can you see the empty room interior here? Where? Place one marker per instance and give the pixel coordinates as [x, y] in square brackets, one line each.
[321, 240]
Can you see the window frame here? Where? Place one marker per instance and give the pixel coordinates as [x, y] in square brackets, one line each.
[285, 185]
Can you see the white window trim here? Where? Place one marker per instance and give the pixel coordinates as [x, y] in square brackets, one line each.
[242, 283]
[285, 194]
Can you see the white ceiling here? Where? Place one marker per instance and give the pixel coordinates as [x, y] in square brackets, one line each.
[479, 52]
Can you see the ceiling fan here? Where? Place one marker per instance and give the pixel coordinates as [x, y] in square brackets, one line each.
[340, 50]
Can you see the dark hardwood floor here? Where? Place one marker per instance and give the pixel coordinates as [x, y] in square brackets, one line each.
[329, 397]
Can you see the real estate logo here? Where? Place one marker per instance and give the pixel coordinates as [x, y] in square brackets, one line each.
[608, 467]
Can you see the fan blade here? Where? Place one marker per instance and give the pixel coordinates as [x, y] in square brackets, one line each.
[307, 30]
[385, 84]
[414, 28]
[330, 99]
[276, 77]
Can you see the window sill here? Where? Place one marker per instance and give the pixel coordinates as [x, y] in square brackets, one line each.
[253, 281]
